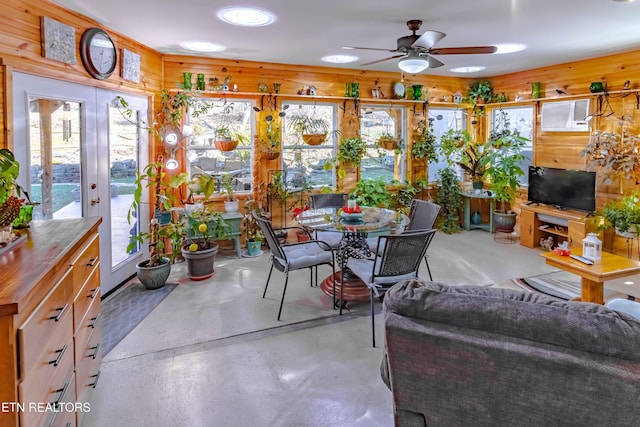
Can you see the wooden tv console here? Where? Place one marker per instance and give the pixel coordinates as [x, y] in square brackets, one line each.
[541, 221]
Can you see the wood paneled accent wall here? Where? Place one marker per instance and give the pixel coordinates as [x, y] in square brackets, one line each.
[21, 50]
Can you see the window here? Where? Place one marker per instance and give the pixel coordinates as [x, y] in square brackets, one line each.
[304, 164]
[520, 119]
[236, 119]
[444, 119]
[378, 162]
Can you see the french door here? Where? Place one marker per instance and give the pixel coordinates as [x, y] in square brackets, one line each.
[78, 157]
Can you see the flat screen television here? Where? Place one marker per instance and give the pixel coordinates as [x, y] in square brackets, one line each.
[563, 188]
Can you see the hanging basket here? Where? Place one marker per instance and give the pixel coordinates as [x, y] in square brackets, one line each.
[270, 154]
[314, 138]
[388, 143]
[225, 145]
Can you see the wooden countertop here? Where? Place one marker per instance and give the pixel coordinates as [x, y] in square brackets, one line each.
[48, 249]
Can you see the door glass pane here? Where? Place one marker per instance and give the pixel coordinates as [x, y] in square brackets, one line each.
[55, 146]
[123, 151]
[378, 162]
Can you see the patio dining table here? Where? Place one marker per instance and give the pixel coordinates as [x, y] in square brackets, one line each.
[354, 229]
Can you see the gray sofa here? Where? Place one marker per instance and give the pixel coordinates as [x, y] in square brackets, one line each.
[474, 356]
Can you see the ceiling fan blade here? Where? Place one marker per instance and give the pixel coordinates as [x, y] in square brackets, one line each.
[462, 50]
[433, 62]
[384, 59]
[369, 48]
[428, 39]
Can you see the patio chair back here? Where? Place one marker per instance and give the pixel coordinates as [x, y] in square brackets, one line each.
[422, 214]
[402, 254]
[327, 200]
[270, 236]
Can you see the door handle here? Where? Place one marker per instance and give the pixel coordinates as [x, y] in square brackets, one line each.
[95, 201]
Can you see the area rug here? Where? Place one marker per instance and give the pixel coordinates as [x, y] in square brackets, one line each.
[560, 284]
[124, 310]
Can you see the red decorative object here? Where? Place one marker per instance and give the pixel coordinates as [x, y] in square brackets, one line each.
[298, 210]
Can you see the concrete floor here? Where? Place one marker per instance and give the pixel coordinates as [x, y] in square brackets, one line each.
[213, 354]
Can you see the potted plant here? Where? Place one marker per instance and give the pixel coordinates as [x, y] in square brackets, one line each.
[351, 151]
[480, 92]
[153, 272]
[227, 187]
[613, 155]
[253, 235]
[372, 192]
[449, 198]
[623, 215]
[504, 160]
[424, 146]
[389, 142]
[313, 129]
[10, 204]
[204, 227]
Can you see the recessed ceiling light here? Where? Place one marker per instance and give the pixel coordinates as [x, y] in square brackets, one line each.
[339, 59]
[246, 16]
[200, 46]
[510, 48]
[623, 1]
[628, 283]
[473, 69]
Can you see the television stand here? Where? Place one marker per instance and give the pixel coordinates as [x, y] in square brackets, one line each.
[542, 221]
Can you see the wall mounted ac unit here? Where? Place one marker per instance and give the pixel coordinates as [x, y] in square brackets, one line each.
[565, 116]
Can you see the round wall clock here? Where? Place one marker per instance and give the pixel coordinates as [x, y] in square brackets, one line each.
[98, 53]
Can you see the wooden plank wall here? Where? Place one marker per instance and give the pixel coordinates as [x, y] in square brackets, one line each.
[21, 50]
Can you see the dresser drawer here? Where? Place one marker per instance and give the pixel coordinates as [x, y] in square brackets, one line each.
[69, 411]
[89, 293]
[60, 388]
[88, 325]
[88, 363]
[84, 263]
[44, 322]
[53, 357]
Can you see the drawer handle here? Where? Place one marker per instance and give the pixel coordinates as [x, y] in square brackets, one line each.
[59, 316]
[93, 293]
[92, 262]
[63, 392]
[97, 377]
[94, 321]
[60, 354]
[96, 349]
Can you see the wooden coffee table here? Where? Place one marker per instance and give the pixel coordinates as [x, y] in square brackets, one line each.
[593, 276]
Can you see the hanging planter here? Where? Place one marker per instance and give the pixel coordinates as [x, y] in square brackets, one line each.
[388, 143]
[270, 154]
[314, 138]
[225, 145]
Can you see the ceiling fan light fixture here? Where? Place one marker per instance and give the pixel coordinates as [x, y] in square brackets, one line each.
[246, 16]
[413, 64]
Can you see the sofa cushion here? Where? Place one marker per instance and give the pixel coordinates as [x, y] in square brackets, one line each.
[524, 315]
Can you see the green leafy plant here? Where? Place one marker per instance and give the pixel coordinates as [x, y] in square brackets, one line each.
[623, 214]
[372, 192]
[226, 187]
[351, 151]
[252, 232]
[449, 198]
[307, 124]
[504, 160]
[9, 203]
[480, 92]
[404, 197]
[204, 228]
[424, 147]
[387, 141]
[613, 155]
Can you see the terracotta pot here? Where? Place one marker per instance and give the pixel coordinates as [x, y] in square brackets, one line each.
[302, 236]
[314, 139]
[224, 145]
[270, 154]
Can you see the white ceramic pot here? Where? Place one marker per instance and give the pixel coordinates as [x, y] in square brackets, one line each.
[231, 206]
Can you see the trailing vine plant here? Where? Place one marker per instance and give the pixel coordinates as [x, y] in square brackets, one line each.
[448, 196]
[424, 147]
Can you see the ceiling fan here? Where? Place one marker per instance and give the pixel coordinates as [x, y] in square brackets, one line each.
[416, 50]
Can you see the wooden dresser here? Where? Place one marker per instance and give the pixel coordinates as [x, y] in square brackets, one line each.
[50, 324]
